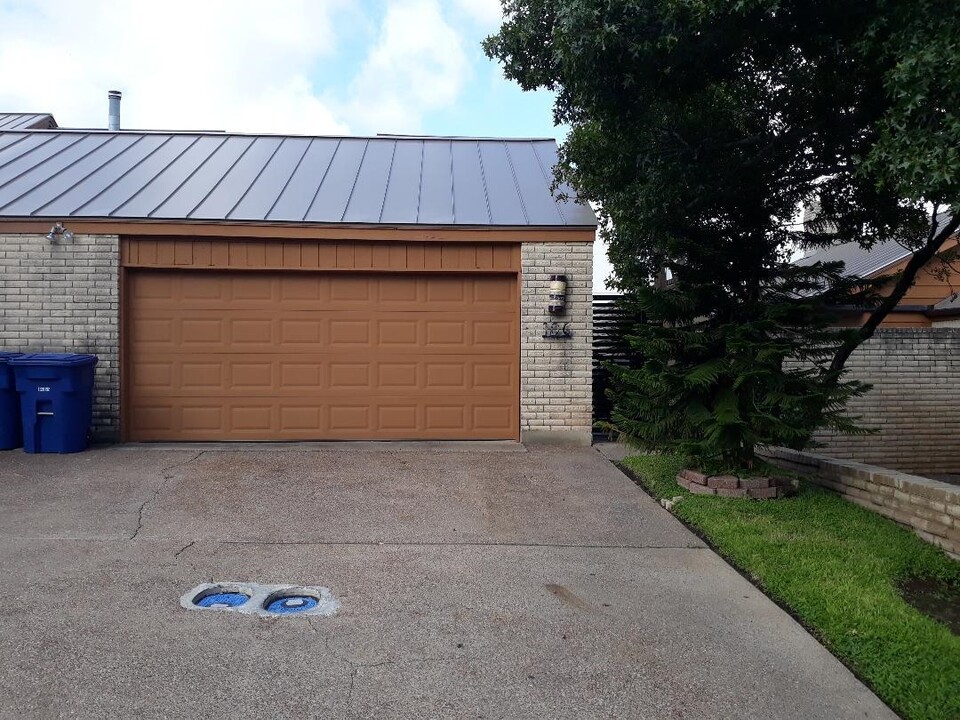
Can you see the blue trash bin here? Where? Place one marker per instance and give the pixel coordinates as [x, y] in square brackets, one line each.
[11, 429]
[56, 400]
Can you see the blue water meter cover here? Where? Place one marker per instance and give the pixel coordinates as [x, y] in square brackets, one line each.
[223, 599]
[291, 604]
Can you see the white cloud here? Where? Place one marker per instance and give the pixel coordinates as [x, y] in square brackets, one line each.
[417, 65]
[488, 13]
[238, 65]
[213, 64]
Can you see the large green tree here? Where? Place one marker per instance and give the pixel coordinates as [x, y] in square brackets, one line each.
[699, 128]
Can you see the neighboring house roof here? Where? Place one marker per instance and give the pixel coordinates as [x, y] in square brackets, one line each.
[287, 179]
[859, 262]
[26, 121]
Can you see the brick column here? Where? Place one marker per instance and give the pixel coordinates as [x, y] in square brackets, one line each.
[63, 297]
[556, 378]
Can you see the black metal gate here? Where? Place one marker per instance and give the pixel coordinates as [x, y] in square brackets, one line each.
[611, 323]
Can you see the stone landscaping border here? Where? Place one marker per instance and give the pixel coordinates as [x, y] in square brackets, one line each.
[731, 486]
[930, 507]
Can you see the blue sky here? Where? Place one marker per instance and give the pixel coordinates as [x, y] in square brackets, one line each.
[310, 67]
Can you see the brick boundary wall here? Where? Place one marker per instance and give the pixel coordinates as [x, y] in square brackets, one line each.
[914, 403]
[556, 375]
[62, 296]
[930, 507]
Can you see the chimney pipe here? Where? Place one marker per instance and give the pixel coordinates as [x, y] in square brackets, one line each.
[113, 119]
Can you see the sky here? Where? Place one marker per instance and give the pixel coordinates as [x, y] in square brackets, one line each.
[311, 67]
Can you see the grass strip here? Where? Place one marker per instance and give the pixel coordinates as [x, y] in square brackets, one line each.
[837, 567]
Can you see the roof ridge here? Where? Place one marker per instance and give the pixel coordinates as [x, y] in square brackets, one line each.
[232, 133]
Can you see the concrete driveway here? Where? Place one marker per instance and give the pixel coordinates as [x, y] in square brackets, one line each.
[475, 582]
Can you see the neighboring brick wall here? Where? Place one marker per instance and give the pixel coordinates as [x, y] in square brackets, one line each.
[930, 507]
[915, 402]
[63, 297]
[556, 384]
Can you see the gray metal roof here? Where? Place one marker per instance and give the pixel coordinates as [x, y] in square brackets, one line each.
[269, 178]
[26, 121]
[857, 261]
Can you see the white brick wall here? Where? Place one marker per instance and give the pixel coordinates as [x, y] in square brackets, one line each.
[63, 297]
[556, 385]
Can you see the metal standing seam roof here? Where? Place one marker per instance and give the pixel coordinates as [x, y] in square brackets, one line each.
[26, 121]
[222, 177]
[860, 262]
[857, 261]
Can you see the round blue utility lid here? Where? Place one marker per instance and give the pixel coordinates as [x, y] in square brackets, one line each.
[57, 359]
[223, 599]
[291, 604]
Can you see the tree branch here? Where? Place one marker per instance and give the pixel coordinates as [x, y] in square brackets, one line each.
[935, 240]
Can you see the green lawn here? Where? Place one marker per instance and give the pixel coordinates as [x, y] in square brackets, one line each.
[836, 566]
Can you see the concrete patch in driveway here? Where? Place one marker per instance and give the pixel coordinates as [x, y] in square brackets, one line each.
[249, 598]
[538, 584]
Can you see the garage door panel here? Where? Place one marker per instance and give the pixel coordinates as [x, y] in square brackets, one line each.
[491, 416]
[194, 375]
[493, 333]
[350, 333]
[493, 375]
[301, 331]
[200, 331]
[206, 418]
[245, 334]
[158, 330]
[300, 356]
[494, 292]
[298, 419]
[252, 374]
[156, 286]
[398, 375]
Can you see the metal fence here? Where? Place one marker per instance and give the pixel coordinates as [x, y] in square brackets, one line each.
[611, 323]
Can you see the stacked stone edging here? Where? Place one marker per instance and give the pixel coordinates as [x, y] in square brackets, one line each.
[731, 486]
[930, 507]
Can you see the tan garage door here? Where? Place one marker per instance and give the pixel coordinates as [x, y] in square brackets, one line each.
[314, 356]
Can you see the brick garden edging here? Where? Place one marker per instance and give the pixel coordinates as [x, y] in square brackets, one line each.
[930, 507]
[731, 486]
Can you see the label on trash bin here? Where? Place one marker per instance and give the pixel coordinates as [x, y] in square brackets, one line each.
[43, 388]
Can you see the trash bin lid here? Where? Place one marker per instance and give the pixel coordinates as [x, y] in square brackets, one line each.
[56, 359]
[5, 356]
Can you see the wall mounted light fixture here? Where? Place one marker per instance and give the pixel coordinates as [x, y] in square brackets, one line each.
[59, 232]
[558, 295]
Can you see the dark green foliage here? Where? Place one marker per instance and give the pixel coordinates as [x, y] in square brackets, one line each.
[716, 391]
[838, 568]
[699, 127]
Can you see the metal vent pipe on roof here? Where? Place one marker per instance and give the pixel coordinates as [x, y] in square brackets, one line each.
[113, 119]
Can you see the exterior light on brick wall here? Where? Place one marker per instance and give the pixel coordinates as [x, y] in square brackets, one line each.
[58, 232]
[558, 295]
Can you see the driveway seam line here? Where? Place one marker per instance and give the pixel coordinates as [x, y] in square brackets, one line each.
[24, 538]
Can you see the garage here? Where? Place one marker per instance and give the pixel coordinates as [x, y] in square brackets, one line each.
[242, 287]
[256, 348]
